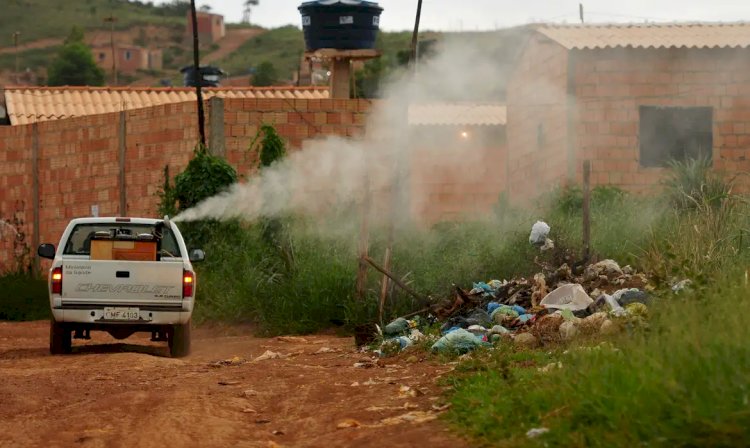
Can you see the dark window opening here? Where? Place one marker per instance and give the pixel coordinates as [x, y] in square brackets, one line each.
[127, 55]
[675, 133]
[101, 56]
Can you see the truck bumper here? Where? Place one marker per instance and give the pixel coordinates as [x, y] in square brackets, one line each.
[96, 316]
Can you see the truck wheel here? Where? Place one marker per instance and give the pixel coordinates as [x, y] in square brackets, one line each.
[60, 341]
[179, 340]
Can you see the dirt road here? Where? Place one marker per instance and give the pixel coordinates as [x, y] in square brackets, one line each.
[109, 394]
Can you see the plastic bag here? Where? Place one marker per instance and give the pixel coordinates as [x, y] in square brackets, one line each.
[459, 341]
[567, 297]
[539, 232]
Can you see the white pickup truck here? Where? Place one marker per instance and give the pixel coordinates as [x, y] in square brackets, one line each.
[122, 276]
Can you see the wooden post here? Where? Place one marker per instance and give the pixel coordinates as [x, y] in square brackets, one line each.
[364, 242]
[586, 210]
[386, 281]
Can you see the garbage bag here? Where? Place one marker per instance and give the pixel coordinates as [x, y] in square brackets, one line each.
[492, 306]
[394, 345]
[459, 341]
[627, 296]
[397, 327]
[478, 317]
[503, 313]
[539, 232]
[567, 297]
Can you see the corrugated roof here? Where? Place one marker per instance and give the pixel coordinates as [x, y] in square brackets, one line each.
[457, 114]
[31, 104]
[651, 35]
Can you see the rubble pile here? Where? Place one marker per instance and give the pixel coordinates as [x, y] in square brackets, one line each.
[557, 304]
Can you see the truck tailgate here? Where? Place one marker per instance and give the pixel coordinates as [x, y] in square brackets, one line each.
[123, 282]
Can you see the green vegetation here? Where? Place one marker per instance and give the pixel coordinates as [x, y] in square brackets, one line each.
[205, 176]
[265, 75]
[281, 46]
[39, 19]
[74, 65]
[23, 298]
[679, 383]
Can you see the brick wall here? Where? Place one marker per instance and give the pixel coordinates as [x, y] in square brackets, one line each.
[15, 194]
[457, 173]
[537, 120]
[79, 161]
[612, 84]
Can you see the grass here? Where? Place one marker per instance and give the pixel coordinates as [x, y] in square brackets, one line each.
[684, 383]
[39, 19]
[681, 382]
[23, 298]
[282, 46]
[309, 283]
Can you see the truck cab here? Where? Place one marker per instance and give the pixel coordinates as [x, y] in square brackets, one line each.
[121, 276]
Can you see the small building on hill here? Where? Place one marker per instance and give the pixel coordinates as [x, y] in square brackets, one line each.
[211, 26]
[129, 58]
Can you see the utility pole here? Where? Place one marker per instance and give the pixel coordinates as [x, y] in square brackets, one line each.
[580, 12]
[15, 44]
[198, 74]
[415, 35]
[111, 20]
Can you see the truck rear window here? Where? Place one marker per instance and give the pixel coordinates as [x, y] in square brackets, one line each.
[79, 242]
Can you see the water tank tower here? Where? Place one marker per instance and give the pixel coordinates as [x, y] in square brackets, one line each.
[340, 31]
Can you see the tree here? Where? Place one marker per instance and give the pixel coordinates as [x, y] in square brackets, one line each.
[74, 65]
[265, 75]
[248, 8]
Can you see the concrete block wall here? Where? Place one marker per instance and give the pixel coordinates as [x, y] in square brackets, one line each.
[116, 161]
[611, 85]
[537, 121]
[458, 173]
[16, 199]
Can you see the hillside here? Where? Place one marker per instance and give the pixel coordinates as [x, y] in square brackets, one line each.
[44, 24]
[40, 19]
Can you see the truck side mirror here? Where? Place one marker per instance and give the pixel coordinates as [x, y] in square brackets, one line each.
[46, 251]
[197, 255]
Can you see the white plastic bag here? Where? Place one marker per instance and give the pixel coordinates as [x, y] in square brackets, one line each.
[539, 232]
[568, 297]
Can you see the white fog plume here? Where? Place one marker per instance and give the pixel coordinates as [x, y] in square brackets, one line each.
[334, 171]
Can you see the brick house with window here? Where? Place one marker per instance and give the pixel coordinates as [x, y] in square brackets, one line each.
[130, 58]
[630, 98]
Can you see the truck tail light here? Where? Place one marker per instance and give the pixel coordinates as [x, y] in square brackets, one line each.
[57, 279]
[188, 282]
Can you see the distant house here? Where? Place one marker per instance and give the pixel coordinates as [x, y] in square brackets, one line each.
[210, 26]
[129, 58]
[629, 98]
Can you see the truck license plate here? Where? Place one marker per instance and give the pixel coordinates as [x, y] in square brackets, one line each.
[112, 313]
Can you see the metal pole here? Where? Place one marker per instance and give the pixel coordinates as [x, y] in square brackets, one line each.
[415, 35]
[199, 76]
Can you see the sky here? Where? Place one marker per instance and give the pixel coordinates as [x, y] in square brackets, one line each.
[469, 15]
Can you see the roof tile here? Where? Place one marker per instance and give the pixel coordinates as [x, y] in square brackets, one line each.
[457, 114]
[31, 104]
[651, 35]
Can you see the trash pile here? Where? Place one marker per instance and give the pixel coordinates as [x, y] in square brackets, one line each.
[556, 304]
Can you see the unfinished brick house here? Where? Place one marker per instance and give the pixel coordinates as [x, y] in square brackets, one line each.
[629, 98]
[211, 27]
